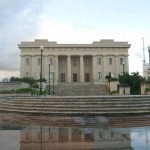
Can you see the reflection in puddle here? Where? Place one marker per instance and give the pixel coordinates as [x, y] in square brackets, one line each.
[72, 138]
[71, 133]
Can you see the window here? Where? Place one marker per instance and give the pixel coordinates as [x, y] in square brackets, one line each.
[99, 75]
[99, 61]
[27, 136]
[87, 77]
[74, 62]
[27, 61]
[112, 135]
[51, 61]
[100, 135]
[86, 62]
[76, 135]
[74, 77]
[62, 62]
[39, 61]
[38, 135]
[62, 77]
[121, 61]
[63, 135]
[110, 61]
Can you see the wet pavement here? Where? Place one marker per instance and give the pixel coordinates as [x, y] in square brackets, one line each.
[40, 132]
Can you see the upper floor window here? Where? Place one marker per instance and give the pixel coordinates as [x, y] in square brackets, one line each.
[121, 61]
[99, 61]
[62, 62]
[86, 62]
[110, 61]
[51, 61]
[74, 62]
[27, 61]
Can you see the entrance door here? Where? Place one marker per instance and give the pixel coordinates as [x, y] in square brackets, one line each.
[62, 77]
[74, 77]
[87, 77]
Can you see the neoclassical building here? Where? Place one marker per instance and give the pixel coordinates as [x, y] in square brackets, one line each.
[74, 62]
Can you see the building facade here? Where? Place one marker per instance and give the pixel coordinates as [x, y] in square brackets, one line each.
[73, 138]
[74, 62]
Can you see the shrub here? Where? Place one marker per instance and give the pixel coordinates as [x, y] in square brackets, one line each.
[114, 92]
[147, 90]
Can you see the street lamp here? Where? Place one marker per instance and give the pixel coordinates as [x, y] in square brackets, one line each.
[53, 83]
[41, 48]
[49, 64]
[123, 63]
[109, 78]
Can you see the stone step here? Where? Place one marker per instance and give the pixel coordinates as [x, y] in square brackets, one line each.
[102, 112]
[79, 89]
[77, 105]
[73, 104]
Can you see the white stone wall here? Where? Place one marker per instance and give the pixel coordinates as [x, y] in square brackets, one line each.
[104, 49]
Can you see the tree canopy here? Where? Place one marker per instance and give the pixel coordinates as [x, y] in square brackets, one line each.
[134, 81]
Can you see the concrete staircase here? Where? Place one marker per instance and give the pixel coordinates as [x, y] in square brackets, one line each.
[77, 105]
[80, 89]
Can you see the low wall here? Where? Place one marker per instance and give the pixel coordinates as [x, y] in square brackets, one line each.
[12, 85]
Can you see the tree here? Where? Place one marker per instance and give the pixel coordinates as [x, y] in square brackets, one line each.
[31, 81]
[15, 79]
[134, 81]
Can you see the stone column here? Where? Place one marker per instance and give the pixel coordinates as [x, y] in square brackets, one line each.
[56, 134]
[22, 66]
[32, 68]
[69, 134]
[104, 67]
[94, 68]
[126, 69]
[56, 77]
[68, 69]
[46, 73]
[81, 69]
[117, 67]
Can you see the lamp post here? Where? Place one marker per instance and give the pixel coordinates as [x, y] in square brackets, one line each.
[53, 83]
[123, 63]
[49, 64]
[109, 78]
[41, 48]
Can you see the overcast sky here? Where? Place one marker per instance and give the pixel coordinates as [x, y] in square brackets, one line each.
[72, 21]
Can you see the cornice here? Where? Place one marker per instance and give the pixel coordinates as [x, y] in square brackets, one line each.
[95, 44]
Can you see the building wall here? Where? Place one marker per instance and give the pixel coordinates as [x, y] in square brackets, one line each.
[72, 138]
[86, 62]
[146, 70]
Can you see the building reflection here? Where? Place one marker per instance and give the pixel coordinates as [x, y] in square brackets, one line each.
[73, 138]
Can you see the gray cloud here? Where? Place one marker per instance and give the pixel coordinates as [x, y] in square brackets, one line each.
[19, 21]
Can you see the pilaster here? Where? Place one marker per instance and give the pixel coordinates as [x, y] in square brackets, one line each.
[68, 68]
[56, 69]
[94, 68]
[104, 66]
[117, 66]
[81, 69]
